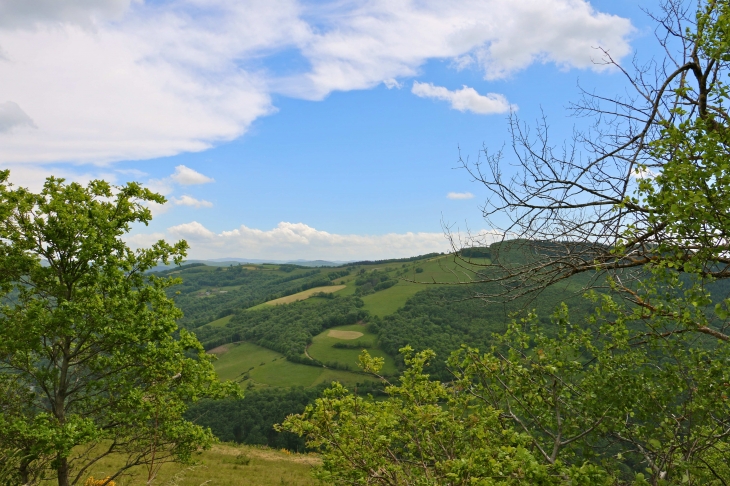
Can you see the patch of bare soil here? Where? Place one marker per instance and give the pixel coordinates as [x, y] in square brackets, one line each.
[344, 334]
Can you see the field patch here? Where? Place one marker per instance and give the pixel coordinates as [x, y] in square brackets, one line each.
[305, 294]
[323, 348]
[247, 363]
[338, 334]
[220, 322]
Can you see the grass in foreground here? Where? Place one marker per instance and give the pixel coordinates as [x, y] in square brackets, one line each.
[224, 465]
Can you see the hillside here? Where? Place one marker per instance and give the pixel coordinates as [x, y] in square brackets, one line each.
[288, 327]
[293, 316]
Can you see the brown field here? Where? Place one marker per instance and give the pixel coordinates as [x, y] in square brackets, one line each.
[335, 333]
[220, 350]
[305, 294]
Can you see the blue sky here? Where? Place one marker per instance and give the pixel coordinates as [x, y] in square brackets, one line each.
[285, 129]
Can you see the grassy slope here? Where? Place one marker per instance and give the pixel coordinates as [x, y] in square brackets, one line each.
[224, 464]
[220, 322]
[267, 367]
[322, 349]
[439, 269]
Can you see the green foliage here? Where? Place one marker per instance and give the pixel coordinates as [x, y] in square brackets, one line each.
[444, 318]
[368, 283]
[637, 393]
[425, 432]
[251, 420]
[205, 294]
[287, 329]
[90, 351]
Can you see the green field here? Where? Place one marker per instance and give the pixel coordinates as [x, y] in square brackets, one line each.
[390, 300]
[439, 269]
[220, 322]
[322, 349]
[266, 367]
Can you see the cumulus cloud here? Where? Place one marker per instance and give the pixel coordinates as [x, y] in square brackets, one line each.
[12, 116]
[298, 240]
[108, 80]
[186, 176]
[460, 195]
[464, 99]
[24, 13]
[192, 202]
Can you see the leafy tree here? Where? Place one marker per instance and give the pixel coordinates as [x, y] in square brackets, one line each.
[91, 359]
[638, 393]
[426, 432]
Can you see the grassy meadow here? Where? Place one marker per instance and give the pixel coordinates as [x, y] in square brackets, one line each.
[323, 350]
[252, 365]
[224, 465]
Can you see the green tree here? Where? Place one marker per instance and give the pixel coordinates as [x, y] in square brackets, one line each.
[638, 390]
[426, 432]
[91, 359]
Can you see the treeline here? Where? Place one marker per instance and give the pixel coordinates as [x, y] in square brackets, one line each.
[251, 420]
[394, 260]
[374, 281]
[287, 329]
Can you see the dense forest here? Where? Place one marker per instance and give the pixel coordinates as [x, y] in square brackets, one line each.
[288, 328]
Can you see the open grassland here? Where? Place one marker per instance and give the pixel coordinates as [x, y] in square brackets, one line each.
[220, 322]
[248, 363]
[323, 350]
[224, 465]
[390, 300]
[442, 270]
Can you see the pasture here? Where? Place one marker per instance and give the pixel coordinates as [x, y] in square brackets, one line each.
[247, 363]
[323, 350]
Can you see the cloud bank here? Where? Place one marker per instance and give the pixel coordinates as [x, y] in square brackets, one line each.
[294, 241]
[98, 81]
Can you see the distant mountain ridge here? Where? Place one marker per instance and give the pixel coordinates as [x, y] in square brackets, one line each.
[225, 262]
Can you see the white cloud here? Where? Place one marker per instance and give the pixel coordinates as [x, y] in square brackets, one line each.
[186, 176]
[32, 176]
[391, 83]
[298, 240]
[192, 202]
[460, 195]
[108, 80]
[193, 230]
[12, 116]
[464, 99]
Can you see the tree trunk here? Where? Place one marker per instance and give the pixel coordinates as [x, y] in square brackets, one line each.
[62, 471]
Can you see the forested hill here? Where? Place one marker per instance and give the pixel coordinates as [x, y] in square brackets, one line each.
[211, 292]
